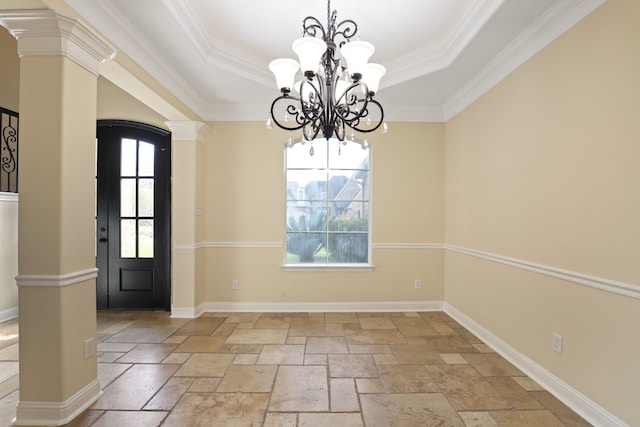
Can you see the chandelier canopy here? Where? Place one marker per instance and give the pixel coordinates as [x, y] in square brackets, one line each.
[334, 93]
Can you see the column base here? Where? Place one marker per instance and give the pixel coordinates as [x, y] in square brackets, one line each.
[57, 413]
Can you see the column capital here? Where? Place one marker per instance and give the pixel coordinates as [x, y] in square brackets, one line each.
[187, 130]
[47, 32]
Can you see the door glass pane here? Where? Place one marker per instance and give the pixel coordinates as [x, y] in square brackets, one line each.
[128, 156]
[128, 238]
[128, 197]
[145, 197]
[146, 159]
[145, 238]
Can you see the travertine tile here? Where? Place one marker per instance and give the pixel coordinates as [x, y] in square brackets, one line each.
[132, 389]
[307, 327]
[324, 420]
[559, 409]
[415, 354]
[453, 359]
[307, 369]
[516, 395]
[169, 394]
[343, 395]
[275, 354]
[414, 327]
[148, 353]
[278, 419]
[300, 389]
[140, 335]
[407, 379]
[541, 418]
[415, 409]
[257, 336]
[352, 366]
[9, 353]
[492, 365]
[200, 326]
[248, 379]
[228, 409]
[369, 385]
[466, 389]
[374, 337]
[130, 418]
[205, 365]
[326, 345]
[204, 385]
[376, 323]
[273, 323]
[245, 359]
[201, 344]
[450, 344]
[528, 384]
[478, 419]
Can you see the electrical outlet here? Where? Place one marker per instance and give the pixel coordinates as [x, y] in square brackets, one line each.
[418, 284]
[234, 284]
[556, 344]
[89, 347]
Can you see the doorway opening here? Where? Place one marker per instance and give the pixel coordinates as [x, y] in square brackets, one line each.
[133, 186]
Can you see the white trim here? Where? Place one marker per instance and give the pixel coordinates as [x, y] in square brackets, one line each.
[327, 267]
[620, 288]
[57, 413]
[9, 197]
[46, 32]
[187, 130]
[587, 408]
[56, 281]
[552, 24]
[8, 314]
[184, 313]
[408, 246]
[328, 307]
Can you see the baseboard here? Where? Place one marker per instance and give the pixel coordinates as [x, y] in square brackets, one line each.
[184, 313]
[54, 413]
[8, 314]
[289, 307]
[585, 407]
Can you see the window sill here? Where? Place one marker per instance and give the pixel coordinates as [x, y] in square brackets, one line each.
[327, 267]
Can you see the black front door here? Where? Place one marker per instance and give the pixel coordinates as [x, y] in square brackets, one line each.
[132, 223]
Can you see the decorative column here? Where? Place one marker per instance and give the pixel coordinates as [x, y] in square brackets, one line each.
[59, 64]
[187, 217]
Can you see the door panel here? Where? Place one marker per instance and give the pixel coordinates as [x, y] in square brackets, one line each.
[133, 182]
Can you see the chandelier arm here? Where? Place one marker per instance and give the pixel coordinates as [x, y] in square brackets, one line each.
[347, 29]
[291, 109]
[370, 102]
[312, 27]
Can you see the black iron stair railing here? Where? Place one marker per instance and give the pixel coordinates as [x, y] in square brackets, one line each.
[8, 151]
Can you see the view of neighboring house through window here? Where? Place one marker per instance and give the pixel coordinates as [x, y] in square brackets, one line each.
[327, 215]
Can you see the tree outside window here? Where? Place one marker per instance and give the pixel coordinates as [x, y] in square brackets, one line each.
[327, 215]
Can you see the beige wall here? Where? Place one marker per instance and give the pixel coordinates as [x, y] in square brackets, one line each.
[115, 104]
[245, 204]
[9, 71]
[544, 169]
[8, 255]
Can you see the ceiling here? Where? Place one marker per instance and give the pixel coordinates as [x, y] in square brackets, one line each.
[439, 54]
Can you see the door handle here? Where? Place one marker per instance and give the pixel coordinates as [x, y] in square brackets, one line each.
[103, 239]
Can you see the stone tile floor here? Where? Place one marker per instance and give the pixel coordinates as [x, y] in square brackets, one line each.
[298, 369]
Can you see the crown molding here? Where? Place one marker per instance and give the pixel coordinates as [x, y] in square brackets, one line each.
[552, 24]
[46, 32]
[186, 130]
[427, 60]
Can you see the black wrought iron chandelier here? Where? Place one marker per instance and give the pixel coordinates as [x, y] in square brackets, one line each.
[332, 97]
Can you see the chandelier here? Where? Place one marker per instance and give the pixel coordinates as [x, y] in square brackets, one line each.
[335, 95]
